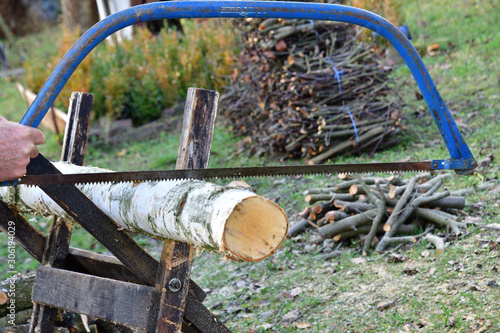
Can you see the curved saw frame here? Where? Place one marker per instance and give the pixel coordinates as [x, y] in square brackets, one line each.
[462, 160]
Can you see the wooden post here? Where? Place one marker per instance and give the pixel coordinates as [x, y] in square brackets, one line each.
[59, 236]
[175, 264]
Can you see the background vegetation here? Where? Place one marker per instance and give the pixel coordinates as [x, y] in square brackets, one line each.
[296, 290]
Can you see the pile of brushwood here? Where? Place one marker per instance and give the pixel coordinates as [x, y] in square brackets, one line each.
[310, 89]
[386, 212]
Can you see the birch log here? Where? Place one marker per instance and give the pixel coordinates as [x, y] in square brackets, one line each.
[232, 220]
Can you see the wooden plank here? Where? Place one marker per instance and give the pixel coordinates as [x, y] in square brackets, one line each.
[197, 129]
[109, 267]
[55, 120]
[76, 134]
[176, 259]
[111, 300]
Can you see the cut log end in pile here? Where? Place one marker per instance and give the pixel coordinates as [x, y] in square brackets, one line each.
[310, 89]
[255, 229]
[230, 219]
[384, 212]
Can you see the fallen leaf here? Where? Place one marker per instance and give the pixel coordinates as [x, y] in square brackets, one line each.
[475, 287]
[451, 322]
[431, 49]
[265, 315]
[234, 309]
[395, 258]
[239, 184]
[292, 293]
[122, 153]
[264, 303]
[486, 161]
[492, 284]
[234, 74]
[270, 55]
[425, 253]
[296, 291]
[472, 220]
[495, 189]
[267, 326]
[85, 321]
[385, 305]
[359, 260]
[410, 271]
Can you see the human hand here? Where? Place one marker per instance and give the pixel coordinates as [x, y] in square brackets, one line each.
[17, 147]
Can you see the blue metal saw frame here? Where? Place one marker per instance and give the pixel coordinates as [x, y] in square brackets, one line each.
[462, 160]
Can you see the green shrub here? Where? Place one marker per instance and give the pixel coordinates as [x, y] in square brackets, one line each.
[138, 78]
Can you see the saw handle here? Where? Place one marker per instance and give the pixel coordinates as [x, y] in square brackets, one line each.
[460, 154]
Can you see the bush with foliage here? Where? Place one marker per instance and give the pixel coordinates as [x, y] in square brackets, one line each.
[140, 77]
[389, 9]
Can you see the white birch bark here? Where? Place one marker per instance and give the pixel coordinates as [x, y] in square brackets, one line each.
[233, 220]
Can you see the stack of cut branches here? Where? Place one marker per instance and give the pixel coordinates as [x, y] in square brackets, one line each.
[384, 211]
[310, 89]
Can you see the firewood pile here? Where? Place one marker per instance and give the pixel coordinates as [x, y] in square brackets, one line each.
[384, 212]
[310, 89]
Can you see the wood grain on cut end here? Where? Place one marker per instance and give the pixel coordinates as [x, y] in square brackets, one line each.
[255, 229]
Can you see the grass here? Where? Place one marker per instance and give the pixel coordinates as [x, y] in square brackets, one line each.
[456, 291]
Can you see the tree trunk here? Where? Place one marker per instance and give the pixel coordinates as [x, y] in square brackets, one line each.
[232, 220]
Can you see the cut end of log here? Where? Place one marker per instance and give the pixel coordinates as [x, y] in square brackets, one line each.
[255, 229]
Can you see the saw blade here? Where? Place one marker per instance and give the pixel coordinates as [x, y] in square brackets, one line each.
[243, 172]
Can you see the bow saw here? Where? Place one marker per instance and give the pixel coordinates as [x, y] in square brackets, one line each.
[461, 159]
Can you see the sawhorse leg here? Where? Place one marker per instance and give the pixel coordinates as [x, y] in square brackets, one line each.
[59, 236]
